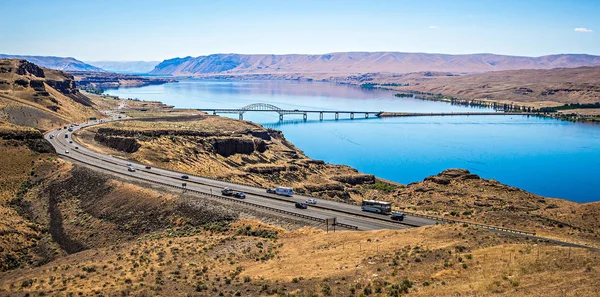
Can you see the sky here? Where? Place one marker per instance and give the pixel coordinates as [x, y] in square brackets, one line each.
[128, 30]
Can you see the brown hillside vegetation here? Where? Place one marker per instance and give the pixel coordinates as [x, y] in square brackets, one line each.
[245, 152]
[25, 161]
[549, 87]
[252, 259]
[232, 150]
[563, 85]
[458, 194]
[41, 98]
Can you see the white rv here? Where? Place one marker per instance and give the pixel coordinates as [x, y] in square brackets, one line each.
[284, 191]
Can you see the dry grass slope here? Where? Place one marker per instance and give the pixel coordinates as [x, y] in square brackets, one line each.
[41, 98]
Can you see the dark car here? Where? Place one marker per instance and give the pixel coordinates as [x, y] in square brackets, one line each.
[227, 192]
[398, 217]
[240, 195]
[148, 167]
[185, 176]
[271, 191]
[301, 205]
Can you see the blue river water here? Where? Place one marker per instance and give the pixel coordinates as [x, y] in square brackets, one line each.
[544, 156]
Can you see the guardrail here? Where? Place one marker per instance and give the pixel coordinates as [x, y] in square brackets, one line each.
[490, 227]
[343, 225]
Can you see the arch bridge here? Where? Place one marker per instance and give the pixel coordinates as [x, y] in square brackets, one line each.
[265, 107]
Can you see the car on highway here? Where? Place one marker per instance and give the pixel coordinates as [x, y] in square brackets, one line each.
[70, 141]
[227, 192]
[76, 147]
[66, 135]
[130, 169]
[51, 136]
[301, 205]
[311, 201]
[399, 216]
[148, 167]
[66, 152]
[240, 195]
[271, 191]
[185, 176]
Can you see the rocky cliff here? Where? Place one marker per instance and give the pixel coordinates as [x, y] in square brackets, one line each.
[38, 97]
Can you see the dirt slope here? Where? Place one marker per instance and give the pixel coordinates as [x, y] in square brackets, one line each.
[41, 98]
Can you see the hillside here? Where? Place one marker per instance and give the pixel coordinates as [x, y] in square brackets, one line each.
[39, 97]
[563, 85]
[364, 62]
[248, 258]
[125, 66]
[245, 152]
[68, 230]
[57, 63]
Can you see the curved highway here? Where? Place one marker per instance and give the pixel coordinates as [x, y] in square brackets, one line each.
[345, 213]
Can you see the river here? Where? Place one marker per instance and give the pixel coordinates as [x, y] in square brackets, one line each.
[544, 156]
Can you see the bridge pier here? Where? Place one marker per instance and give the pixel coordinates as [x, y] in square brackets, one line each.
[241, 116]
[337, 116]
[214, 112]
[352, 116]
[321, 116]
[281, 117]
[366, 115]
[304, 116]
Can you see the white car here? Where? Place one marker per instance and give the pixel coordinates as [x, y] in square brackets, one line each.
[131, 169]
[311, 201]
[128, 164]
[66, 152]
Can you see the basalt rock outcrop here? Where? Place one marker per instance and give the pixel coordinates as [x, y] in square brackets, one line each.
[231, 146]
[264, 135]
[357, 179]
[224, 144]
[33, 139]
[123, 144]
[446, 176]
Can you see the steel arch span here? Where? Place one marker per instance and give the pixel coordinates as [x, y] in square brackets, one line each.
[261, 107]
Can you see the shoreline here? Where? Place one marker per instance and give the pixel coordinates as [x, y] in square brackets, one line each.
[419, 178]
[537, 108]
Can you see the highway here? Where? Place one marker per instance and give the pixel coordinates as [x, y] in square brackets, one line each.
[345, 213]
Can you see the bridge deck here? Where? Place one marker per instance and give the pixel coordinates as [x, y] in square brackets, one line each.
[376, 113]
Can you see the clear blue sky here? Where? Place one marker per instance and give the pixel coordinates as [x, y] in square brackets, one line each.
[157, 30]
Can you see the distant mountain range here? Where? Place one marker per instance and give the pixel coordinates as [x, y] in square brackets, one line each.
[129, 67]
[58, 63]
[365, 62]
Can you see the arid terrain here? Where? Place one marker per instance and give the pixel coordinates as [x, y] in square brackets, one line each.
[66, 230]
[245, 152]
[39, 97]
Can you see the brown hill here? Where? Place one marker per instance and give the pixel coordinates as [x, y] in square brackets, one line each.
[364, 62]
[39, 97]
[563, 85]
